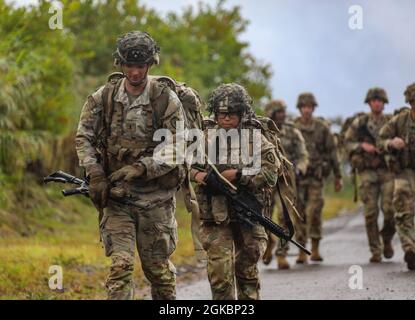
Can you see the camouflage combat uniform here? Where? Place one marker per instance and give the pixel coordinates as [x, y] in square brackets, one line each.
[376, 181]
[295, 150]
[402, 163]
[234, 248]
[153, 229]
[323, 159]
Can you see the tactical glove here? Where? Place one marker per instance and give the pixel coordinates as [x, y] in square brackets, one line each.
[98, 186]
[128, 173]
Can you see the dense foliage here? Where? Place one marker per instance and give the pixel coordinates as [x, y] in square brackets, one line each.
[45, 74]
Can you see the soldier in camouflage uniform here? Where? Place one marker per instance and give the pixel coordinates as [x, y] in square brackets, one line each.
[323, 160]
[376, 181]
[115, 145]
[234, 248]
[295, 150]
[397, 138]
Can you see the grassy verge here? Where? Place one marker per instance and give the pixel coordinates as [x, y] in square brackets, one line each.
[335, 203]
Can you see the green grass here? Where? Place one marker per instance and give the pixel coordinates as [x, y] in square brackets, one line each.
[334, 203]
[51, 230]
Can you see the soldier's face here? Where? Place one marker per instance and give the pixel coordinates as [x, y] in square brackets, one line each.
[376, 105]
[307, 111]
[279, 116]
[136, 74]
[228, 120]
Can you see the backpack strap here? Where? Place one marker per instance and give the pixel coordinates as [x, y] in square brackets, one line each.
[169, 82]
[108, 94]
[159, 100]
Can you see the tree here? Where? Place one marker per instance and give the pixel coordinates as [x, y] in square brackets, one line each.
[36, 72]
[200, 46]
[46, 74]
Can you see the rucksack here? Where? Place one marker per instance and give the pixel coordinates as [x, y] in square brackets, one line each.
[286, 183]
[190, 99]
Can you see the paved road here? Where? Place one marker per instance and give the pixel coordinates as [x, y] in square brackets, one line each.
[343, 246]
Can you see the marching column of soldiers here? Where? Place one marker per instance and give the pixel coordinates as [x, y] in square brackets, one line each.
[116, 148]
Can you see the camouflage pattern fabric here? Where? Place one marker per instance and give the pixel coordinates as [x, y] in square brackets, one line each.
[234, 249]
[129, 143]
[323, 160]
[402, 125]
[376, 182]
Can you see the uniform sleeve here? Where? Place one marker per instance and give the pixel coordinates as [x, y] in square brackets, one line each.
[173, 117]
[333, 156]
[87, 132]
[351, 137]
[301, 151]
[269, 171]
[387, 133]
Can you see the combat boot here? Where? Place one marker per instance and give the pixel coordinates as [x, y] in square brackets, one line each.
[388, 249]
[302, 258]
[376, 258]
[282, 263]
[315, 254]
[410, 259]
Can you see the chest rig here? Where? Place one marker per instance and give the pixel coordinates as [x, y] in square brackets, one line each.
[121, 146]
[314, 138]
[368, 131]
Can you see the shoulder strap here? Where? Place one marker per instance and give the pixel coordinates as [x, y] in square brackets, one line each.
[159, 99]
[169, 82]
[108, 93]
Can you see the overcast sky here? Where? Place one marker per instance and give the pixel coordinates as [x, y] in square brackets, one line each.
[311, 48]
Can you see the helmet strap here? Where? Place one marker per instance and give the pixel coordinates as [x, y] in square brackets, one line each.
[142, 82]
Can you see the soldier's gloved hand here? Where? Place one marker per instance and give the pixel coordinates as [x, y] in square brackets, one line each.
[117, 193]
[128, 173]
[98, 186]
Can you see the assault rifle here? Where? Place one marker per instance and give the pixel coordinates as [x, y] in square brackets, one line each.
[247, 207]
[83, 189]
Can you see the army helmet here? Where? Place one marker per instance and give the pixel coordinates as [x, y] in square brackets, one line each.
[410, 93]
[136, 47]
[274, 106]
[306, 98]
[376, 93]
[230, 98]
